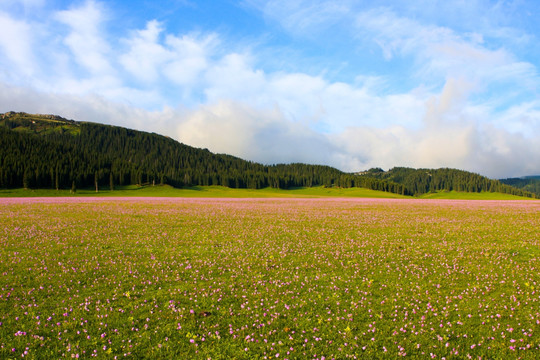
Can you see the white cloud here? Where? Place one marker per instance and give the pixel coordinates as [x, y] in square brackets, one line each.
[440, 52]
[260, 135]
[303, 16]
[522, 119]
[146, 55]
[173, 64]
[309, 100]
[233, 77]
[85, 40]
[190, 57]
[16, 43]
[452, 136]
[442, 40]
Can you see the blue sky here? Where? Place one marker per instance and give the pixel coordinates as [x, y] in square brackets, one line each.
[352, 84]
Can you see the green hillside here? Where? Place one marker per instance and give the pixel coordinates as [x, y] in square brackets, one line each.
[50, 152]
[527, 183]
[45, 151]
[419, 182]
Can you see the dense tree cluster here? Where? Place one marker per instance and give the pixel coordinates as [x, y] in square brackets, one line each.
[422, 181]
[38, 152]
[530, 184]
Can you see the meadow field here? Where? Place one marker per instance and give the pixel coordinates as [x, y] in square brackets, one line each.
[269, 278]
[225, 192]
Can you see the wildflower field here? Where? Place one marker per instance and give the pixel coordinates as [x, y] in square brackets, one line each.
[269, 278]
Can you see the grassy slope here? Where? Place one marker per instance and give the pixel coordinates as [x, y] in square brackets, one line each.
[203, 191]
[472, 196]
[224, 192]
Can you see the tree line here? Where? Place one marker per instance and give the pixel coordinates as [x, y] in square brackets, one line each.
[422, 181]
[40, 153]
[530, 184]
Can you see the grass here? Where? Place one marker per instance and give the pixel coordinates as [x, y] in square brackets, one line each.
[471, 196]
[220, 191]
[269, 278]
[201, 191]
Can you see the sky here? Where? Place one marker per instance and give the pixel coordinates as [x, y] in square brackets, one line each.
[346, 83]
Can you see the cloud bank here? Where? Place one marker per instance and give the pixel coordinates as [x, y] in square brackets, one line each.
[423, 95]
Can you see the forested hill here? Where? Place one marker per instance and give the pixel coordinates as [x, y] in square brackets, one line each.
[47, 151]
[527, 183]
[422, 181]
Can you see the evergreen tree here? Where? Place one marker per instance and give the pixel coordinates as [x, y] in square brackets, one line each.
[27, 178]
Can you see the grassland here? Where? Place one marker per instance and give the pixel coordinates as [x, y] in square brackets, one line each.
[456, 195]
[203, 191]
[224, 192]
[319, 278]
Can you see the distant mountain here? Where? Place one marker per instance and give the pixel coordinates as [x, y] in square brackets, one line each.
[48, 151]
[527, 183]
[422, 181]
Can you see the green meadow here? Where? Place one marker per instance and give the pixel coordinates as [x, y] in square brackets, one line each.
[225, 192]
[275, 278]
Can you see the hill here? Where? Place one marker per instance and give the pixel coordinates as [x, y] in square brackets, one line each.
[423, 181]
[526, 183]
[51, 152]
[47, 151]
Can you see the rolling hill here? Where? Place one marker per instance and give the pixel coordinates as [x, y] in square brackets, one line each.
[526, 183]
[424, 181]
[48, 151]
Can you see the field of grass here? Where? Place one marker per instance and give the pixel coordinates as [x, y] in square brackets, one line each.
[224, 192]
[202, 191]
[471, 196]
[199, 278]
